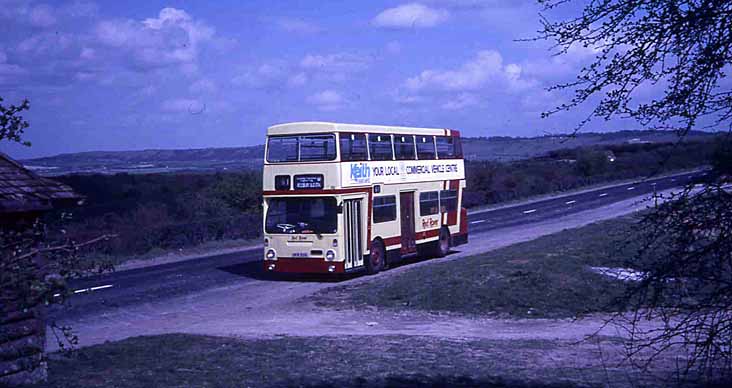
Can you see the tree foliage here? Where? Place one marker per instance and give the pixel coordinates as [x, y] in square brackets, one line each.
[679, 53]
[686, 256]
[680, 49]
[12, 124]
[34, 272]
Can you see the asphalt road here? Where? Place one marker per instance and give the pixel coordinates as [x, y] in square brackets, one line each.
[96, 294]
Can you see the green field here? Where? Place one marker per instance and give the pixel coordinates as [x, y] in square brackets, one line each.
[549, 277]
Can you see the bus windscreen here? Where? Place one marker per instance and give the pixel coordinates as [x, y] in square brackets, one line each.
[308, 148]
[311, 215]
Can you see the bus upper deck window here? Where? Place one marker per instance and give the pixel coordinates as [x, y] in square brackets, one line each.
[317, 147]
[282, 149]
[306, 148]
[425, 147]
[380, 147]
[404, 147]
[353, 147]
[446, 147]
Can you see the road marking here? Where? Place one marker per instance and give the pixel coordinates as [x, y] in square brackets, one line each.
[570, 202]
[673, 179]
[83, 290]
[631, 188]
[603, 194]
[529, 211]
[477, 222]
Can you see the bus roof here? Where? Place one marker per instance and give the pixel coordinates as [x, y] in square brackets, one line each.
[327, 127]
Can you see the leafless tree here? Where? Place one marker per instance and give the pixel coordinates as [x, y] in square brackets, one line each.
[679, 53]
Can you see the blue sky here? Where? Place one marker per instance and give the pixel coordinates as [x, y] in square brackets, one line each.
[110, 75]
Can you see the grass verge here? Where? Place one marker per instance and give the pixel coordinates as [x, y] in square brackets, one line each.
[178, 360]
[549, 277]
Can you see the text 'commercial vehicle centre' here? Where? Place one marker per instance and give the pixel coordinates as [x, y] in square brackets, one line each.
[346, 197]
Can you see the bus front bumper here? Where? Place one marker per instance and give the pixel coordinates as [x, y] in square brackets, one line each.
[303, 265]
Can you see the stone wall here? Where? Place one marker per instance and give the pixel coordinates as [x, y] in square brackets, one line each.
[22, 341]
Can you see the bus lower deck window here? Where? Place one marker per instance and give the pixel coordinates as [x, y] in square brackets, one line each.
[448, 200]
[384, 208]
[429, 203]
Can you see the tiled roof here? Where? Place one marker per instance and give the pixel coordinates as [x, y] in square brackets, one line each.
[22, 190]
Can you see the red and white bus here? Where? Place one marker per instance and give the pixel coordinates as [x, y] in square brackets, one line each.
[346, 197]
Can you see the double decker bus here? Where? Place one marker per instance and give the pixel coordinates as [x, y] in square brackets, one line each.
[341, 198]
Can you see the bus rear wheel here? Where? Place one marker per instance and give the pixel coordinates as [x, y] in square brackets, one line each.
[377, 258]
[443, 244]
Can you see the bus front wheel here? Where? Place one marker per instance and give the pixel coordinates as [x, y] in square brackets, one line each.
[377, 257]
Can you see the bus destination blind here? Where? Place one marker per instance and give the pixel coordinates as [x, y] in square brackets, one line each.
[309, 182]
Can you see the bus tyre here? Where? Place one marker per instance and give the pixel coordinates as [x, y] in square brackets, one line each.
[376, 260]
[443, 244]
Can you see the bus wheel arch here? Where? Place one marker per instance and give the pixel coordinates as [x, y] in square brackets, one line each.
[377, 256]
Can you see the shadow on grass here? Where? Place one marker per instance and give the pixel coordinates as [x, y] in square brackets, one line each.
[426, 381]
[418, 259]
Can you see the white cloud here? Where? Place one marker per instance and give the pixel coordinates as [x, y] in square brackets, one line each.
[86, 76]
[42, 16]
[266, 75]
[183, 105]
[486, 67]
[460, 101]
[87, 53]
[408, 99]
[412, 15]
[47, 44]
[148, 90]
[297, 26]
[203, 86]
[393, 47]
[327, 100]
[81, 8]
[479, 4]
[9, 73]
[340, 63]
[298, 79]
[560, 67]
[173, 38]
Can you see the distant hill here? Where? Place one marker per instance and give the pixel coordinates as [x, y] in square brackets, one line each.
[504, 148]
[147, 161]
[499, 148]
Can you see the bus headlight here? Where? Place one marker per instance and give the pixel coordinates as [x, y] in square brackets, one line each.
[271, 255]
[266, 242]
[330, 255]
